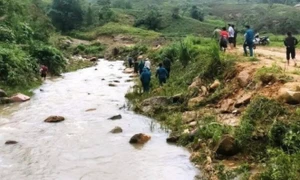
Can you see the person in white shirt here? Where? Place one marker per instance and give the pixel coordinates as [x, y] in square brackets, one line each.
[231, 36]
[147, 64]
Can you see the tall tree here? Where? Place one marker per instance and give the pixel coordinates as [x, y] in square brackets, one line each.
[89, 16]
[66, 15]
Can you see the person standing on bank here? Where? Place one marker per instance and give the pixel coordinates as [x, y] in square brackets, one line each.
[167, 65]
[223, 39]
[231, 36]
[141, 64]
[249, 36]
[44, 71]
[162, 74]
[145, 78]
[235, 35]
[148, 64]
[290, 43]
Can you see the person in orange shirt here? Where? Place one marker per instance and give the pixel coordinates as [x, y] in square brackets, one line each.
[223, 39]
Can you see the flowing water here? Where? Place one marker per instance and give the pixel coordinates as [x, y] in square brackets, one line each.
[81, 147]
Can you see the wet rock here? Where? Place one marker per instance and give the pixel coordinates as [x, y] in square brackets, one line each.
[215, 85]
[173, 139]
[290, 93]
[112, 85]
[92, 109]
[2, 93]
[133, 75]
[227, 106]
[244, 100]
[139, 139]
[227, 146]
[116, 117]
[150, 104]
[5, 100]
[93, 59]
[116, 130]
[243, 78]
[116, 81]
[9, 142]
[54, 119]
[128, 70]
[195, 101]
[96, 69]
[128, 80]
[19, 98]
[103, 79]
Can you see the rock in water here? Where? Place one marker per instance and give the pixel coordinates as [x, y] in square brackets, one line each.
[116, 130]
[19, 98]
[2, 93]
[115, 117]
[173, 139]
[92, 109]
[54, 119]
[227, 146]
[128, 70]
[93, 59]
[139, 139]
[112, 85]
[9, 142]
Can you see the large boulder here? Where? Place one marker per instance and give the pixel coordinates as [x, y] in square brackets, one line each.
[290, 93]
[227, 106]
[150, 104]
[54, 119]
[227, 146]
[19, 98]
[10, 142]
[116, 130]
[2, 93]
[139, 139]
[195, 101]
[243, 78]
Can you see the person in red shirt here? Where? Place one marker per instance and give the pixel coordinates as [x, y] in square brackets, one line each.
[223, 39]
[44, 71]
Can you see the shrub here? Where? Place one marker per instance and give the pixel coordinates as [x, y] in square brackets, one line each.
[6, 34]
[49, 56]
[93, 49]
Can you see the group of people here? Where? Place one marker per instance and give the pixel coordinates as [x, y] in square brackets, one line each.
[143, 68]
[224, 36]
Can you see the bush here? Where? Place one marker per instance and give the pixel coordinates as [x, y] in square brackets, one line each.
[152, 19]
[16, 66]
[6, 34]
[50, 57]
[93, 49]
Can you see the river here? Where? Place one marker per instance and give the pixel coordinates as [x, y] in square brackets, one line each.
[81, 147]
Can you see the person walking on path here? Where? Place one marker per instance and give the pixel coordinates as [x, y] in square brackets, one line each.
[235, 36]
[145, 78]
[135, 66]
[223, 39]
[148, 64]
[231, 36]
[162, 74]
[249, 36]
[167, 65]
[130, 62]
[141, 64]
[44, 71]
[290, 43]
[216, 34]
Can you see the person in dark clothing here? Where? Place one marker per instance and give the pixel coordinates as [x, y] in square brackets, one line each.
[249, 36]
[167, 65]
[44, 71]
[141, 64]
[223, 39]
[130, 62]
[290, 43]
[162, 74]
[145, 78]
[235, 36]
[135, 66]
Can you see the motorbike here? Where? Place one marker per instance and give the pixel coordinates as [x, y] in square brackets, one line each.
[264, 40]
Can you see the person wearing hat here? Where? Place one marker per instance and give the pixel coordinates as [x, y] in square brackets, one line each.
[141, 64]
[148, 64]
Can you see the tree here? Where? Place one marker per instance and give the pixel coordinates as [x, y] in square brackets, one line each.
[105, 15]
[175, 13]
[196, 14]
[151, 20]
[89, 16]
[66, 15]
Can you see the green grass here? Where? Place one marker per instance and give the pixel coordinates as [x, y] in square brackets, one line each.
[111, 28]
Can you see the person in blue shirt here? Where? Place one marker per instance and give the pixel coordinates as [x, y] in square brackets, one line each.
[145, 78]
[141, 64]
[249, 36]
[162, 74]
